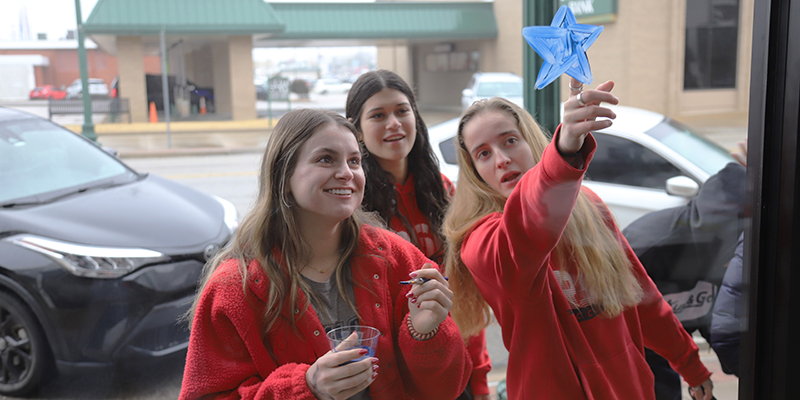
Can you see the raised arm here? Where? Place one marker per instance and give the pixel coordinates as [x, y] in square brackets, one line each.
[507, 251]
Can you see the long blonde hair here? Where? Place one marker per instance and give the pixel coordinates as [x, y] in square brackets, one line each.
[272, 223]
[588, 240]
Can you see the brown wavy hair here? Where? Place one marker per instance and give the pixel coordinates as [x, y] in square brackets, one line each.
[272, 222]
[588, 240]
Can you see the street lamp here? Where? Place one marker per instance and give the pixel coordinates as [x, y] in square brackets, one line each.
[545, 104]
[88, 125]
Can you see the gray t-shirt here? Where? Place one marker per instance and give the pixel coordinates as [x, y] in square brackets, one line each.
[334, 312]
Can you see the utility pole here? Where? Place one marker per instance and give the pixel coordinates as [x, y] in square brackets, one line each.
[88, 125]
[545, 104]
[164, 84]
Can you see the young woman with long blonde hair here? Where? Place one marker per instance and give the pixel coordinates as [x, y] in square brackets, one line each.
[303, 262]
[543, 253]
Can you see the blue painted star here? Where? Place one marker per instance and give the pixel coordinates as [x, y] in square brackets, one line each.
[563, 47]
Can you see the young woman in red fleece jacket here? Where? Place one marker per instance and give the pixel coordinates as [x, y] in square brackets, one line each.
[575, 305]
[304, 244]
[404, 184]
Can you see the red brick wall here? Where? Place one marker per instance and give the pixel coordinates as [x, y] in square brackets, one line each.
[64, 68]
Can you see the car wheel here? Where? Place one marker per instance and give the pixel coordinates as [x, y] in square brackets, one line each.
[24, 352]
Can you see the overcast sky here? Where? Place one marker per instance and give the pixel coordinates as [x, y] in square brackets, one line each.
[56, 17]
[53, 17]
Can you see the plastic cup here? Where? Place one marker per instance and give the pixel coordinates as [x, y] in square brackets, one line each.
[366, 337]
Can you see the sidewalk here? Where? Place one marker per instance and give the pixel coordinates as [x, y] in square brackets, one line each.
[197, 137]
[228, 137]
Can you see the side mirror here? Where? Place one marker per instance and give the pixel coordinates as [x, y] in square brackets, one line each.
[682, 186]
[466, 93]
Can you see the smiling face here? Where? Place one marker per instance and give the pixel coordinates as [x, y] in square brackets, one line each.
[389, 128]
[328, 183]
[498, 150]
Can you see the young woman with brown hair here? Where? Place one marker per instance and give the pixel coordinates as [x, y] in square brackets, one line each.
[404, 184]
[303, 262]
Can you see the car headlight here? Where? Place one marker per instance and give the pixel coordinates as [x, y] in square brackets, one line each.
[90, 261]
[231, 216]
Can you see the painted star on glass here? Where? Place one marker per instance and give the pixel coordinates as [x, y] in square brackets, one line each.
[563, 47]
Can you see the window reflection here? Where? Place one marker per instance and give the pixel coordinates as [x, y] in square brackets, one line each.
[712, 28]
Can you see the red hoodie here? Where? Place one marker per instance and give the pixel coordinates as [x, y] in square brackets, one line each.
[432, 247]
[557, 351]
[407, 207]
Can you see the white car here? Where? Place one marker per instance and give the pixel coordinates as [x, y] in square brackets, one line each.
[485, 85]
[97, 88]
[644, 162]
[327, 85]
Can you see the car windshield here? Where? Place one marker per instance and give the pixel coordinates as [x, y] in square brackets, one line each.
[500, 89]
[38, 158]
[697, 149]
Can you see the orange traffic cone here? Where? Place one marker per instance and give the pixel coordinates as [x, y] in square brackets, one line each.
[153, 115]
[202, 105]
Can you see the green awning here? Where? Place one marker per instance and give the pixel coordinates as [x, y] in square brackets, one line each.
[182, 17]
[387, 20]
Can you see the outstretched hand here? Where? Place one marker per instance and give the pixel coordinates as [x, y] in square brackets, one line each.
[703, 392]
[430, 302]
[581, 112]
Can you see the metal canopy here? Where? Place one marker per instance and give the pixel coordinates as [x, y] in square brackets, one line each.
[198, 22]
[383, 20]
[183, 17]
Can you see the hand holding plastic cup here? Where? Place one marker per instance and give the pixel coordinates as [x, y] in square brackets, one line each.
[354, 337]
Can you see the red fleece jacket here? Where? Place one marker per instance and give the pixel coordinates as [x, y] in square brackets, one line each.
[431, 245]
[557, 352]
[230, 357]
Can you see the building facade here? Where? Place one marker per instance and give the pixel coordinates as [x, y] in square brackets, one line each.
[676, 57]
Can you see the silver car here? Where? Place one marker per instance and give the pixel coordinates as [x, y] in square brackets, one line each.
[484, 85]
[644, 162]
[97, 88]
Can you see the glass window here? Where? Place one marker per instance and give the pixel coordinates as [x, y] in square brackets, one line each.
[37, 157]
[712, 28]
[448, 148]
[624, 162]
[500, 89]
[700, 151]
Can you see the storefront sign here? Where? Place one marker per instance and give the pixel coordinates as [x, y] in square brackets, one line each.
[592, 11]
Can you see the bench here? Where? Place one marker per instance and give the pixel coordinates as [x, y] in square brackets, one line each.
[108, 105]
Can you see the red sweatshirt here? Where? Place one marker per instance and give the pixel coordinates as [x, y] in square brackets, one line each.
[407, 207]
[557, 351]
[431, 245]
[230, 357]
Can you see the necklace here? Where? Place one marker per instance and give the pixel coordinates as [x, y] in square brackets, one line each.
[321, 271]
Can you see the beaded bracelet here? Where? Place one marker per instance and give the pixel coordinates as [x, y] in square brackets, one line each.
[416, 335]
